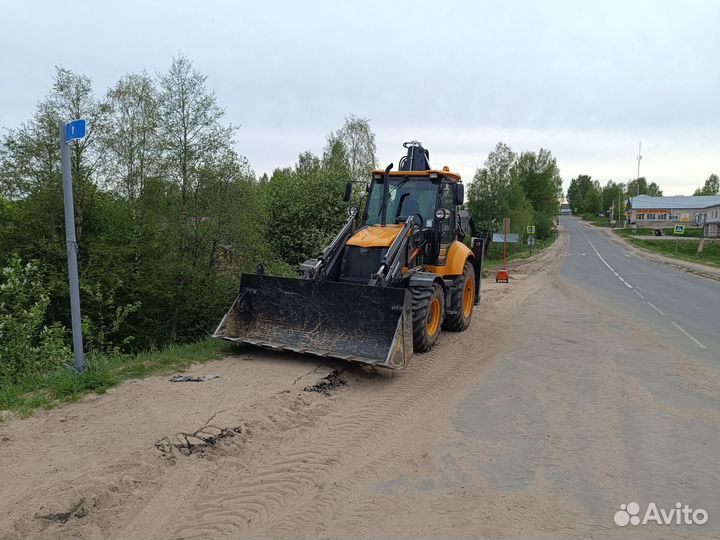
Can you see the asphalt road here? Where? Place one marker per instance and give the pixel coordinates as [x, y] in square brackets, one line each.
[683, 309]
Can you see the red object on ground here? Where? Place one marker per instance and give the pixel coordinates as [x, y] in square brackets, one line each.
[503, 275]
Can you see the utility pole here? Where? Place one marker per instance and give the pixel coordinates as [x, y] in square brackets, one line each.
[71, 131]
[639, 158]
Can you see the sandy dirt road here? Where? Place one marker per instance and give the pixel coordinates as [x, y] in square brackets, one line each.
[524, 425]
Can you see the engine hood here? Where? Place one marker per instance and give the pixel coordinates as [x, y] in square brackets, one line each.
[375, 236]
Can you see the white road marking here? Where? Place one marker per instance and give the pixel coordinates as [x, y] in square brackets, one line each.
[605, 262]
[676, 325]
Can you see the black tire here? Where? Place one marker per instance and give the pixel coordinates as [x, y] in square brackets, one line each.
[422, 300]
[459, 319]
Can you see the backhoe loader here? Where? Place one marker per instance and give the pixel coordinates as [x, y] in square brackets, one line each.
[384, 287]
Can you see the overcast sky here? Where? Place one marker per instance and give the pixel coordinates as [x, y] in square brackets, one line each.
[585, 80]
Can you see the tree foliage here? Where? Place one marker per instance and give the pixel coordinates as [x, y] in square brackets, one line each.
[526, 188]
[640, 186]
[28, 344]
[305, 202]
[358, 141]
[585, 195]
[711, 186]
[168, 215]
[613, 199]
[166, 212]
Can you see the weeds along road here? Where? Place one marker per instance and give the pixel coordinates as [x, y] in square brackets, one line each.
[568, 396]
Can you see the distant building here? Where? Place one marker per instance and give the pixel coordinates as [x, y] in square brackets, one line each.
[659, 212]
[711, 223]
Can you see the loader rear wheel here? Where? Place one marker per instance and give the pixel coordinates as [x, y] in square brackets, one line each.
[428, 305]
[461, 301]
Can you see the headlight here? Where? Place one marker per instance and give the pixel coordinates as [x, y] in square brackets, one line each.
[439, 213]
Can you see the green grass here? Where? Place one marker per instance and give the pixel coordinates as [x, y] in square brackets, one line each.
[596, 220]
[494, 254]
[103, 372]
[687, 250]
[690, 232]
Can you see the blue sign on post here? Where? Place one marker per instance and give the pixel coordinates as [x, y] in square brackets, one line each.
[74, 130]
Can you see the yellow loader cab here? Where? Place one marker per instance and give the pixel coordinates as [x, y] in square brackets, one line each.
[386, 286]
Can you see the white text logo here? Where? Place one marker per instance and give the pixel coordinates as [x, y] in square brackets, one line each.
[681, 514]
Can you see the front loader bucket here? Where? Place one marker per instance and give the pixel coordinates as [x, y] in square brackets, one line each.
[359, 323]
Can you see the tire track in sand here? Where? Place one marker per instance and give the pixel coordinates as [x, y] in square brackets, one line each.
[285, 490]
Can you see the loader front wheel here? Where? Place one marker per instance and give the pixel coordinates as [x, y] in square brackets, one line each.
[461, 301]
[428, 310]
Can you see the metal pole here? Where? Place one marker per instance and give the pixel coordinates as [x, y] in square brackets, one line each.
[71, 252]
[639, 158]
[505, 252]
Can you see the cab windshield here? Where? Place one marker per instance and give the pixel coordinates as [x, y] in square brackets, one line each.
[407, 196]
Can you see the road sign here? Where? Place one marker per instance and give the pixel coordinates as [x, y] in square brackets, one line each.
[679, 229]
[531, 241]
[511, 238]
[506, 225]
[531, 229]
[74, 130]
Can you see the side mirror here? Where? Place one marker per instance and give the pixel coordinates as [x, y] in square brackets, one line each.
[348, 192]
[459, 194]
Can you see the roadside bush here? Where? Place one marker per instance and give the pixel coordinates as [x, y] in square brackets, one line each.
[544, 225]
[27, 345]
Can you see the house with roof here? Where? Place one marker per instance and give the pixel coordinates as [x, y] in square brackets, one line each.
[711, 223]
[659, 212]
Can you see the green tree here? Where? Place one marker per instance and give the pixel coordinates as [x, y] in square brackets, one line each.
[489, 195]
[711, 187]
[613, 196]
[539, 177]
[305, 204]
[645, 188]
[202, 171]
[359, 143]
[585, 195]
[27, 344]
